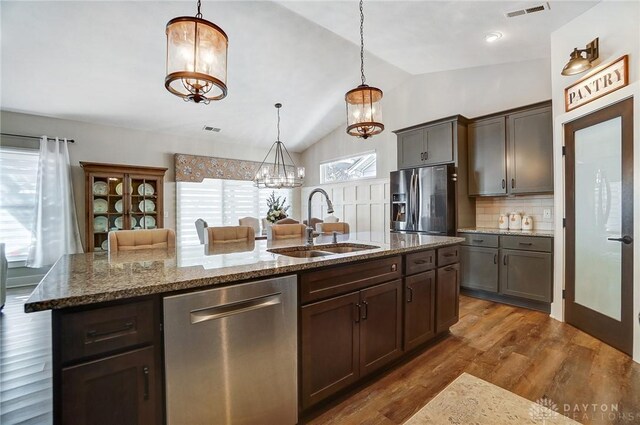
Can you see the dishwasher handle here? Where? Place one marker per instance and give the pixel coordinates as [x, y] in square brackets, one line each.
[226, 310]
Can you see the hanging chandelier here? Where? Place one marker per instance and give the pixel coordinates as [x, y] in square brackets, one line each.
[196, 59]
[282, 172]
[364, 111]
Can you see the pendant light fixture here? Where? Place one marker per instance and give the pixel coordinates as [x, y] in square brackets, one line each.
[282, 172]
[196, 59]
[364, 112]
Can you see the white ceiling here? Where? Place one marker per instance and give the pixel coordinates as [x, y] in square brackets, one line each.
[104, 62]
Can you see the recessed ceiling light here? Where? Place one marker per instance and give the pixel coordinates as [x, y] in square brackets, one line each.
[492, 36]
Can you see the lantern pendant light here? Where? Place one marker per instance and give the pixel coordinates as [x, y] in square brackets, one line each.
[196, 59]
[364, 112]
[282, 172]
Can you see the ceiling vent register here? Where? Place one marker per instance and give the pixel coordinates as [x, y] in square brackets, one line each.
[209, 128]
[528, 10]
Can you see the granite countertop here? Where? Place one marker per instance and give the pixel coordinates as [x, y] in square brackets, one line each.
[83, 279]
[487, 230]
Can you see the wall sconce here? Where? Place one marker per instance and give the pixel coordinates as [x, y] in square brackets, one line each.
[578, 63]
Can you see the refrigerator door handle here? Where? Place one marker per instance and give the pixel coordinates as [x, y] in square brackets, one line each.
[418, 203]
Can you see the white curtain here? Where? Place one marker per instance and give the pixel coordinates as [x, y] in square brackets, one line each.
[55, 229]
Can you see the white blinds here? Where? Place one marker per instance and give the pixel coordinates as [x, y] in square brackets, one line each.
[219, 203]
[18, 176]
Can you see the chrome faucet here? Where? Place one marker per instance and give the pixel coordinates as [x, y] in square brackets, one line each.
[329, 210]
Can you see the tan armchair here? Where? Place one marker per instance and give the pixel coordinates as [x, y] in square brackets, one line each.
[230, 234]
[251, 222]
[286, 231]
[287, 221]
[333, 227]
[131, 240]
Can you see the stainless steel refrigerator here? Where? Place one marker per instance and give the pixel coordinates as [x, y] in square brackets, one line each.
[423, 200]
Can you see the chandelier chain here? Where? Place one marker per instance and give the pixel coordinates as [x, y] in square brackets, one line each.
[278, 109]
[199, 15]
[362, 42]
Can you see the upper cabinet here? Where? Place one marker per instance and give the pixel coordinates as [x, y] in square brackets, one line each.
[432, 144]
[512, 153]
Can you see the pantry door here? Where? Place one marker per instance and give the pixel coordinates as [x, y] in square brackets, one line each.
[599, 226]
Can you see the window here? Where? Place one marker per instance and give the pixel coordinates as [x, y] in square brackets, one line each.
[18, 176]
[352, 168]
[219, 203]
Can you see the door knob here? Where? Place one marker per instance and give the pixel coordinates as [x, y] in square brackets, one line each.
[626, 239]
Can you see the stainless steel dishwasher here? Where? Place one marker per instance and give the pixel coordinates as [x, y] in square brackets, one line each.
[231, 355]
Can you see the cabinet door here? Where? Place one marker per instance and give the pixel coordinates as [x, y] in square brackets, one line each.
[146, 201]
[479, 268]
[526, 274]
[411, 148]
[115, 390]
[330, 346]
[447, 297]
[487, 157]
[419, 311]
[531, 151]
[439, 143]
[380, 325]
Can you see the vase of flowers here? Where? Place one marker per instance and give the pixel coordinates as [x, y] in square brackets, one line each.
[277, 209]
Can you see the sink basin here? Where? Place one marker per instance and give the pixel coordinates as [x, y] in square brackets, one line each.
[312, 251]
[303, 254]
[345, 249]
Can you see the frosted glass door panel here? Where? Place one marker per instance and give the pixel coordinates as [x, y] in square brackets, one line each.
[598, 208]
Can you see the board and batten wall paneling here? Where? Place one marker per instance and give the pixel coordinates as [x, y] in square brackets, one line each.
[364, 204]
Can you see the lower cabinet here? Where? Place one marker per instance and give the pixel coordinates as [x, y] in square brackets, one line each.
[346, 337]
[419, 309]
[447, 297]
[479, 268]
[114, 390]
[526, 274]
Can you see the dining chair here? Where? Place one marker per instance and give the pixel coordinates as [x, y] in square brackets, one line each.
[287, 221]
[286, 231]
[331, 219]
[230, 234]
[251, 222]
[314, 222]
[333, 227]
[200, 226]
[132, 240]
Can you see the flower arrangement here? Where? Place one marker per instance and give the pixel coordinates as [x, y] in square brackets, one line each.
[277, 209]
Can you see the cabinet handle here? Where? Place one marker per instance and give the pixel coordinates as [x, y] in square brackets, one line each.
[448, 269]
[421, 156]
[95, 334]
[504, 260]
[358, 307]
[366, 310]
[477, 240]
[145, 373]
[504, 183]
[450, 254]
[410, 289]
[421, 262]
[526, 243]
[495, 258]
[426, 156]
[513, 183]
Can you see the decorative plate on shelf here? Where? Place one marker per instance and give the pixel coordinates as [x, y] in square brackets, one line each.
[149, 222]
[119, 222]
[105, 245]
[119, 206]
[146, 189]
[119, 188]
[134, 222]
[100, 205]
[100, 188]
[147, 205]
[100, 224]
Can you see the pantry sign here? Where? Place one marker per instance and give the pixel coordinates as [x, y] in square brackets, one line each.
[595, 85]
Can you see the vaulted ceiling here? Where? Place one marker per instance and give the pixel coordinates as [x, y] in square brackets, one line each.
[104, 62]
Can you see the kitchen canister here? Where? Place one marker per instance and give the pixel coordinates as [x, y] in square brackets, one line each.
[527, 222]
[515, 221]
[503, 222]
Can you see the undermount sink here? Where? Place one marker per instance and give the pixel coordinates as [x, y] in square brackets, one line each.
[311, 251]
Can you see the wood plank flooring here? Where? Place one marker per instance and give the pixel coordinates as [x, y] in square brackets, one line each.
[523, 351]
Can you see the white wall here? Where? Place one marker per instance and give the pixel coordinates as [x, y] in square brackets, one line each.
[470, 92]
[617, 25]
[101, 143]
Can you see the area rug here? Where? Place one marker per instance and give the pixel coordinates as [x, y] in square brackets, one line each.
[470, 400]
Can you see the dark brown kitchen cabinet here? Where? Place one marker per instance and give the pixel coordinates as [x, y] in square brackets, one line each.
[426, 146]
[119, 389]
[411, 147]
[511, 152]
[419, 309]
[479, 268]
[447, 296]
[526, 274]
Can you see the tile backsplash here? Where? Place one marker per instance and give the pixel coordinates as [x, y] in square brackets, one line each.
[488, 210]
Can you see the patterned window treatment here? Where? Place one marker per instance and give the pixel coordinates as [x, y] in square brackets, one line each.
[55, 230]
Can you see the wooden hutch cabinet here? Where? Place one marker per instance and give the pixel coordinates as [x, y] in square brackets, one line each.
[120, 197]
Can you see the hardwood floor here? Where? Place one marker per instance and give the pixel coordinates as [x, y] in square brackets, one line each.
[25, 362]
[523, 351]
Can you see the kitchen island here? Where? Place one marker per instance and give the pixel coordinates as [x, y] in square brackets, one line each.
[360, 308]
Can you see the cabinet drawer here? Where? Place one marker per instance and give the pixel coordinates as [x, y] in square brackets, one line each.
[480, 239]
[528, 243]
[420, 262]
[102, 330]
[340, 280]
[448, 255]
